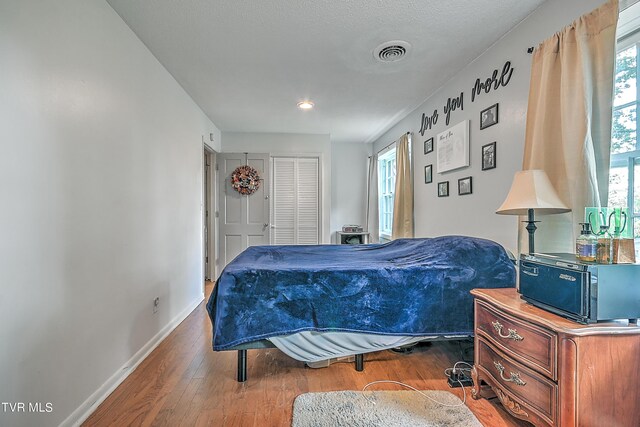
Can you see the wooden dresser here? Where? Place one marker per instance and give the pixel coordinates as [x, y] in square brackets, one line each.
[552, 371]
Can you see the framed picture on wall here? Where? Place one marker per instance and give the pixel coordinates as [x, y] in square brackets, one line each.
[453, 148]
[489, 116]
[443, 189]
[428, 174]
[464, 186]
[489, 156]
[428, 146]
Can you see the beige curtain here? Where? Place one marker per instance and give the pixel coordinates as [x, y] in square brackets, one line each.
[373, 215]
[568, 131]
[403, 197]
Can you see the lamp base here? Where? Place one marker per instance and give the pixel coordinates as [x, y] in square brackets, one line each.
[531, 228]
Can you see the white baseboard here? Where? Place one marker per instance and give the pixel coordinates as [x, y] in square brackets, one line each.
[78, 416]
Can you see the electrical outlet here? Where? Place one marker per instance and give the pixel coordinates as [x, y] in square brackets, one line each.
[156, 304]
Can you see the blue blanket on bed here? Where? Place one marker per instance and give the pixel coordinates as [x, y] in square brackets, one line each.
[416, 287]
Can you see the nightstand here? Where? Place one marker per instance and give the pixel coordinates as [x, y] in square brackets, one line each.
[551, 371]
[353, 238]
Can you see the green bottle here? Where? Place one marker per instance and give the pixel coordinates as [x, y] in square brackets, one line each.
[604, 246]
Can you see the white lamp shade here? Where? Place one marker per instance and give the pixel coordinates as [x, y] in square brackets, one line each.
[531, 189]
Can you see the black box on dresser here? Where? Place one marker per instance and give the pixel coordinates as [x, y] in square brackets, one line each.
[585, 292]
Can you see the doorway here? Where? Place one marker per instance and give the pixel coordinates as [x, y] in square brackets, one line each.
[209, 218]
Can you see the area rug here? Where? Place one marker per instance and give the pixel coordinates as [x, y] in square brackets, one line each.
[380, 408]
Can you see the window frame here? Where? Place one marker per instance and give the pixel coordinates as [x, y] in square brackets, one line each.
[631, 158]
[386, 190]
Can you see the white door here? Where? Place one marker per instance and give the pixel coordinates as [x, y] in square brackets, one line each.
[243, 219]
[296, 201]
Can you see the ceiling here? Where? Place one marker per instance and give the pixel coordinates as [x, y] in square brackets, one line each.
[247, 63]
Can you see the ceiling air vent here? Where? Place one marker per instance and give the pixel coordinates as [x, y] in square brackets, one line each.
[391, 51]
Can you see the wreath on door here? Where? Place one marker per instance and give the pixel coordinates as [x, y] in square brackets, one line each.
[245, 180]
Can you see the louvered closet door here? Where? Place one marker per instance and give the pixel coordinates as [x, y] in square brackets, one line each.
[283, 201]
[295, 217]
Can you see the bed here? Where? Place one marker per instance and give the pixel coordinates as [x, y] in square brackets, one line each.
[408, 289]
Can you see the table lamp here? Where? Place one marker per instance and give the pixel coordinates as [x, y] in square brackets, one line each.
[531, 191]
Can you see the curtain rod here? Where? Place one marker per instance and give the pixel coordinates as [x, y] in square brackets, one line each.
[382, 149]
[623, 5]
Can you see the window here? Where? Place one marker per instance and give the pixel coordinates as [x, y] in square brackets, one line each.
[624, 176]
[386, 188]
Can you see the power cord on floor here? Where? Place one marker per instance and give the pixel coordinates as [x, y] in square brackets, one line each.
[466, 352]
[464, 392]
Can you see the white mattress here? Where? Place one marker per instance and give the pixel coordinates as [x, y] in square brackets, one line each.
[311, 346]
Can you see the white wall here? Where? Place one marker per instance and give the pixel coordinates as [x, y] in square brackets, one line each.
[475, 214]
[349, 168]
[100, 182]
[289, 143]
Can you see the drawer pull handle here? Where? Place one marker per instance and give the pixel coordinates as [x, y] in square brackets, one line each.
[514, 376]
[513, 334]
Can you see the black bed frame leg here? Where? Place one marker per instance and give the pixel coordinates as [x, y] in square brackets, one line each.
[242, 366]
[360, 362]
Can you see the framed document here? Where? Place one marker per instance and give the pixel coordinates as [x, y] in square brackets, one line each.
[453, 147]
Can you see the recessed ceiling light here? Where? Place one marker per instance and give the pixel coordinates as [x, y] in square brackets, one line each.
[305, 105]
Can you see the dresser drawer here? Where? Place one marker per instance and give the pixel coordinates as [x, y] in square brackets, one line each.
[532, 345]
[529, 387]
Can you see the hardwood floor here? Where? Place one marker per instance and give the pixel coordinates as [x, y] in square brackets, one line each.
[184, 383]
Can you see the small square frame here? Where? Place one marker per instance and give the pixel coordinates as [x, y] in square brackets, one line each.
[489, 116]
[428, 146]
[428, 174]
[443, 189]
[465, 186]
[489, 152]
